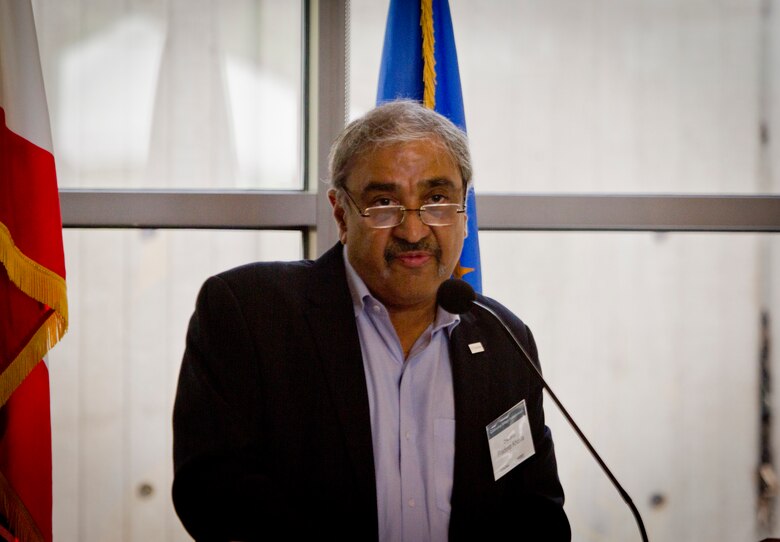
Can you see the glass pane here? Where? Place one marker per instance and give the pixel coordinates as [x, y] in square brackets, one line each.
[113, 376]
[653, 343]
[573, 96]
[173, 94]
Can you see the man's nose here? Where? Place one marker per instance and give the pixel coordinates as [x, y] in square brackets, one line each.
[412, 229]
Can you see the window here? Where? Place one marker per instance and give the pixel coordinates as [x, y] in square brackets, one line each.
[174, 94]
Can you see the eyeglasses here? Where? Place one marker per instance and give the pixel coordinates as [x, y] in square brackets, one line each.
[390, 216]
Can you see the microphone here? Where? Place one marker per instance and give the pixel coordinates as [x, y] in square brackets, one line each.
[458, 297]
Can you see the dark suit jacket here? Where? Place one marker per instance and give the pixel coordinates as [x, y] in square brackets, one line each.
[271, 420]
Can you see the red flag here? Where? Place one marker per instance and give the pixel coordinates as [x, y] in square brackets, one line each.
[33, 300]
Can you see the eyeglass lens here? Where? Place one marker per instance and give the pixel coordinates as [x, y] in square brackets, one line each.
[431, 215]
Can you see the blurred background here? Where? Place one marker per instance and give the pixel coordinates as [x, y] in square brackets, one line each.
[209, 122]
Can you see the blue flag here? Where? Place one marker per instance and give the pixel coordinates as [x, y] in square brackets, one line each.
[415, 29]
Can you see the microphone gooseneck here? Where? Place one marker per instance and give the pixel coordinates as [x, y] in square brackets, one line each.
[458, 297]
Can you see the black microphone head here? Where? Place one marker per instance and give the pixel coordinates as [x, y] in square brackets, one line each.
[455, 296]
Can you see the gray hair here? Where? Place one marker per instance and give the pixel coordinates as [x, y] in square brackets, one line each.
[394, 122]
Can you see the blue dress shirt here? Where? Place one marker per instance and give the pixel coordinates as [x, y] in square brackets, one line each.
[412, 419]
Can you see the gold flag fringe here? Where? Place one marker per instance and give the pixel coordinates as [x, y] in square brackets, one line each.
[31, 277]
[41, 342]
[22, 524]
[429, 61]
[44, 286]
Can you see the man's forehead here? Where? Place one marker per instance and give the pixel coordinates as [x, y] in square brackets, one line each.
[389, 185]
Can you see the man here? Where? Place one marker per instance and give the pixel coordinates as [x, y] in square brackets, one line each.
[335, 398]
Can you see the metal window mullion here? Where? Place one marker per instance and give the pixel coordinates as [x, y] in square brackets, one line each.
[629, 212]
[187, 209]
[327, 102]
[308, 210]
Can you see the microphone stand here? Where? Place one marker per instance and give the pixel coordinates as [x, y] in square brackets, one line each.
[592, 450]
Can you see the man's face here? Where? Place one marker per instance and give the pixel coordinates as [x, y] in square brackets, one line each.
[402, 266]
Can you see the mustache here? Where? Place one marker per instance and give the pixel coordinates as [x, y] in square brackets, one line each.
[399, 246]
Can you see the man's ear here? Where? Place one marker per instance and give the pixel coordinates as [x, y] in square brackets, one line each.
[466, 226]
[338, 214]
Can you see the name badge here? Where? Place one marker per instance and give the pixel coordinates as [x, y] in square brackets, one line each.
[510, 441]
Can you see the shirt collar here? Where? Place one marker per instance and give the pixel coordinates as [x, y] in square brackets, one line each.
[361, 295]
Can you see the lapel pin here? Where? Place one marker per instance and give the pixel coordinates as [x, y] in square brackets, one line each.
[476, 348]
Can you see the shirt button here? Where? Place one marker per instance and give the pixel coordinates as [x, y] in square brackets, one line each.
[411, 503]
[408, 435]
[376, 308]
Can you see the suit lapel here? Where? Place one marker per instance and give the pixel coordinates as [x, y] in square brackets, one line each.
[332, 322]
[472, 389]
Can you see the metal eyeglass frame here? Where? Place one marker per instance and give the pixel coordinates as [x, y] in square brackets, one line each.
[366, 213]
